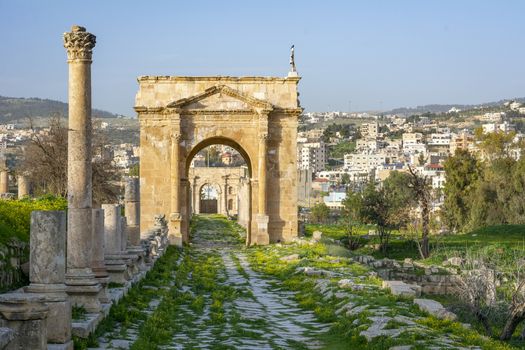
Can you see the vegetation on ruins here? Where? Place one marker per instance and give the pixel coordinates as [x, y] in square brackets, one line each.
[15, 215]
[45, 163]
[15, 222]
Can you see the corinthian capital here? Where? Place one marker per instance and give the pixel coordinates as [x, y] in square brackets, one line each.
[79, 43]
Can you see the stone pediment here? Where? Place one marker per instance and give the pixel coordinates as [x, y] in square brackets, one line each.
[221, 98]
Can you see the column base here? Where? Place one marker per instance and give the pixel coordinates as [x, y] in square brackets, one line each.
[103, 295]
[117, 269]
[262, 237]
[86, 297]
[59, 316]
[138, 251]
[83, 290]
[175, 230]
[64, 346]
[25, 313]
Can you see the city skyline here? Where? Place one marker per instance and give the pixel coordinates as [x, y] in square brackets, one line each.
[357, 56]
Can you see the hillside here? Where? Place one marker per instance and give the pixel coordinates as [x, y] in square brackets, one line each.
[437, 108]
[16, 108]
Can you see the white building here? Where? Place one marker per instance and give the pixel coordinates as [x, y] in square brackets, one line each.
[413, 143]
[311, 155]
[334, 200]
[367, 145]
[493, 127]
[369, 130]
[363, 161]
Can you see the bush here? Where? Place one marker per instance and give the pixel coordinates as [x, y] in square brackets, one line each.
[15, 215]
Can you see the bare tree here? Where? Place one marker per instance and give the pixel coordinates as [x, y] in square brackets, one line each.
[45, 162]
[493, 285]
[420, 184]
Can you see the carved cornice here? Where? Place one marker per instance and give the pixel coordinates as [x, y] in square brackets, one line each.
[222, 89]
[79, 44]
[289, 111]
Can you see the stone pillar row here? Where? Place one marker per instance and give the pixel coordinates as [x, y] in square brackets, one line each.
[102, 246]
[41, 314]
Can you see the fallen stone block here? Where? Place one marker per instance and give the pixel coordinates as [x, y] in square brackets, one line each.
[290, 257]
[316, 236]
[401, 288]
[435, 309]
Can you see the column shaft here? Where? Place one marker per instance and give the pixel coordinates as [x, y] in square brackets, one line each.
[262, 175]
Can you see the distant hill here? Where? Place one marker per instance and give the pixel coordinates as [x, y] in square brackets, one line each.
[435, 108]
[16, 108]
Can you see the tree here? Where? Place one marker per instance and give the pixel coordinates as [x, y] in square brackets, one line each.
[319, 213]
[45, 163]
[345, 179]
[495, 144]
[462, 172]
[422, 191]
[386, 207]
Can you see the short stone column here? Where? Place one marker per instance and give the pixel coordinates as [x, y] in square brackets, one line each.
[83, 288]
[127, 252]
[132, 210]
[98, 263]
[4, 177]
[47, 268]
[23, 186]
[26, 314]
[115, 264]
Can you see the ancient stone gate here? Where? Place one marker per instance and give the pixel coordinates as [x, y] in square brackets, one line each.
[257, 116]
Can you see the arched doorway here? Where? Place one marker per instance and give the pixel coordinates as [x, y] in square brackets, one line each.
[208, 199]
[255, 115]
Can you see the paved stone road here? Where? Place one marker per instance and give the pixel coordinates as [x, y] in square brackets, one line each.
[259, 316]
[265, 316]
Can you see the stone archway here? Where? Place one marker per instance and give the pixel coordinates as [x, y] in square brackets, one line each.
[208, 203]
[257, 116]
[229, 188]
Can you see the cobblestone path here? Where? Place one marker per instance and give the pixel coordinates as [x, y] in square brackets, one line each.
[260, 316]
[214, 300]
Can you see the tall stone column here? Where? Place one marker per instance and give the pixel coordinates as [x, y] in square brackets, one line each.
[47, 268]
[83, 288]
[262, 216]
[23, 186]
[98, 262]
[132, 209]
[175, 234]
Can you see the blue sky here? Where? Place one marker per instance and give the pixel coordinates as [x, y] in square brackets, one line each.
[376, 54]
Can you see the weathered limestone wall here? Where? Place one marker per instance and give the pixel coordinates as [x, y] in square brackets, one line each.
[179, 116]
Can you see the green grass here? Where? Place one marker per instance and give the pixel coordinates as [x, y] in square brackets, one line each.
[344, 334]
[131, 308]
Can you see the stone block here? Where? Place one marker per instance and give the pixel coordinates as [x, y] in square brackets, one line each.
[26, 315]
[401, 288]
[435, 309]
